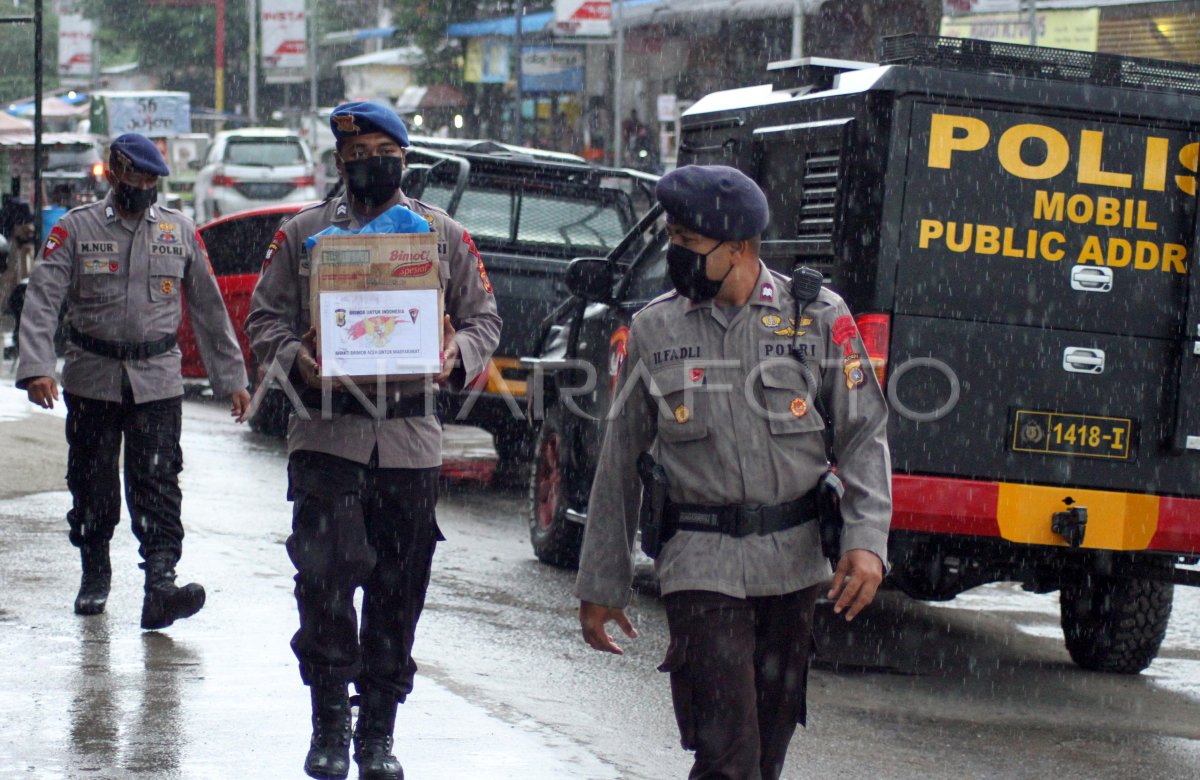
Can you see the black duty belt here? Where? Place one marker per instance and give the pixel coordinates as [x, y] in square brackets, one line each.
[741, 519]
[342, 402]
[121, 350]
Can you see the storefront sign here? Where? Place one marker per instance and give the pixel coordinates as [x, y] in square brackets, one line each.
[284, 42]
[582, 17]
[1078, 30]
[486, 62]
[551, 69]
[74, 42]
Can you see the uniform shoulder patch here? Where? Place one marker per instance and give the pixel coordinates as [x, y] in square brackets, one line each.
[58, 236]
[483, 277]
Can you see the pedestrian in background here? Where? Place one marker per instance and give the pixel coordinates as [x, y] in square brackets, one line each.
[125, 267]
[736, 427]
[59, 203]
[364, 482]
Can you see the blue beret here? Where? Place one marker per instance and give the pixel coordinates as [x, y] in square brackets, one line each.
[141, 153]
[715, 201]
[351, 119]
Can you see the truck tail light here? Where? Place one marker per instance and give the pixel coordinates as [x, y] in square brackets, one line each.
[875, 330]
[98, 170]
[304, 181]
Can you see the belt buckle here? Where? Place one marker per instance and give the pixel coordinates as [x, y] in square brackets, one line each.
[747, 520]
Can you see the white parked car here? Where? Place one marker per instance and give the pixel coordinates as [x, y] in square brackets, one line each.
[252, 167]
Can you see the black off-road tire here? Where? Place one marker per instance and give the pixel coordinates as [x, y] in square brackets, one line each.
[271, 418]
[556, 540]
[1114, 624]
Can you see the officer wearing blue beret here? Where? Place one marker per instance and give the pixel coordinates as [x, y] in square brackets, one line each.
[720, 389]
[127, 266]
[364, 481]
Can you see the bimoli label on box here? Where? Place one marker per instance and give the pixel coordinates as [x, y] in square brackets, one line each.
[377, 306]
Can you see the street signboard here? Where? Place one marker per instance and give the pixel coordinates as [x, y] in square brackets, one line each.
[284, 41]
[582, 17]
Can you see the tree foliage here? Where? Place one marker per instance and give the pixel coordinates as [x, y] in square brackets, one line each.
[16, 52]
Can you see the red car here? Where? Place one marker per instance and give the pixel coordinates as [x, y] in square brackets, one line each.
[236, 246]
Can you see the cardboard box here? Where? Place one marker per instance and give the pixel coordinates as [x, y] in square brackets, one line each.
[377, 305]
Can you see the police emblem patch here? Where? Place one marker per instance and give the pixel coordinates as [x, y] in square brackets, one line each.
[697, 375]
[682, 414]
[772, 320]
[799, 407]
[346, 124]
[767, 293]
[167, 286]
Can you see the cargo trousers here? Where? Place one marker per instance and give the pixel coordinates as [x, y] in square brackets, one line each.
[739, 678]
[360, 526]
[153, 460]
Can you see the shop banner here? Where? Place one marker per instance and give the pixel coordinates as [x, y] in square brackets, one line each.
[75, 35]
[551, 69]
[582, 17]
[486, 62]
[1078, 30]
[284, 41]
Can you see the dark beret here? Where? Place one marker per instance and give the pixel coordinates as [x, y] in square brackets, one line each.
[715, 201]
[141, 153]
[351, 119]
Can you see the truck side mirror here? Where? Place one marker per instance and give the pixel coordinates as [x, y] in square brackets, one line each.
[590, 278]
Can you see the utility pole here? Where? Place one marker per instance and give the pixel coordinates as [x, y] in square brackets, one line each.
[520, 11]
[219, 98]
[1033, 23]
[252, 13]
[618, 76]
[37, 123]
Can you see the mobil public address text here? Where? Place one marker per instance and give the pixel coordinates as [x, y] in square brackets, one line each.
[953, 135]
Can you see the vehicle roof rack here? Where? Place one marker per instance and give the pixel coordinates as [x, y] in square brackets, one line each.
[1041, 62]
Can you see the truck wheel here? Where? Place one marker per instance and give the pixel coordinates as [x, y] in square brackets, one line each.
[1115, 624]
[556, 540]
[271, 419]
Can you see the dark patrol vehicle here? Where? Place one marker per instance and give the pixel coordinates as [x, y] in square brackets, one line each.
[1014, 227]
[529, 213]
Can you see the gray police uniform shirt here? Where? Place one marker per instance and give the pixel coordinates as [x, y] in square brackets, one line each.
[724, 408]
[126, 282]
[279, 316]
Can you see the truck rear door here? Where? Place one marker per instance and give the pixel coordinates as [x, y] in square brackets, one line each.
[1041, 297]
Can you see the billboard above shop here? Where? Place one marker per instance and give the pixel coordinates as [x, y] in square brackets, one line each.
[582, 17]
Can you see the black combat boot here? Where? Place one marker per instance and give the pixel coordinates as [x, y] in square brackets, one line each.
[373, 737]
[96, 579]
[329, 751]
[165, 603]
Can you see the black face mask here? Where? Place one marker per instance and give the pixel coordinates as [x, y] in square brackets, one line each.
[687, 271]
[374, 180]
[134, 200]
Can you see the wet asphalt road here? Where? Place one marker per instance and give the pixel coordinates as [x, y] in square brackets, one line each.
[506, 688]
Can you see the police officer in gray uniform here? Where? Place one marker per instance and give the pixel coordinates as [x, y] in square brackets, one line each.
[363, 481]
[125, 265]
[711, 390]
